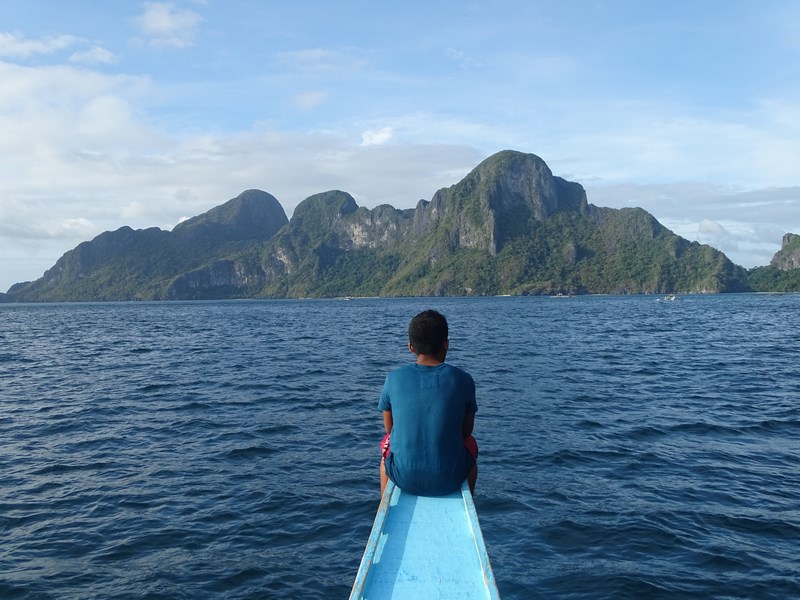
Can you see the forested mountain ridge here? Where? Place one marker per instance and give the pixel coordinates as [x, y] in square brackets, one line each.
[129, 264]
[508, 227]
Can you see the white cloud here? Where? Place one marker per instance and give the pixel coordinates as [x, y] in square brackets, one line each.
[50, 113]
[16, 45]
[746, 244]
[78, 227]
[712, 228]
[376, 137]
[94, 55]
[164, 25]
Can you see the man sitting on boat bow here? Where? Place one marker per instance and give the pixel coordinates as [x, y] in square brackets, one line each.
[429, 412]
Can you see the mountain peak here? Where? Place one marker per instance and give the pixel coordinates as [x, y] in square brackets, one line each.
[320, 211]
[500, 199]
[523, 185]
[253, 214]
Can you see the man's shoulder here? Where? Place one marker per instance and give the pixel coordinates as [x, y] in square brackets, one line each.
[459, 372]
[457, 369]
[400, 372]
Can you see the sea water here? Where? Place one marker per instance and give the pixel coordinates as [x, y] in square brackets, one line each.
[630, 447]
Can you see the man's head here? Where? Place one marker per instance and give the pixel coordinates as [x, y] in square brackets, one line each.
[427, 333]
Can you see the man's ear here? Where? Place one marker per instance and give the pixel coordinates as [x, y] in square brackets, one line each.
[411, 348]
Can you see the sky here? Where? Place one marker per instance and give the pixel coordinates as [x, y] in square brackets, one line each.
[146, 113]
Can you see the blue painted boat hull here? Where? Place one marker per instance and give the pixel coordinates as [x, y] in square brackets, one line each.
[425, 548]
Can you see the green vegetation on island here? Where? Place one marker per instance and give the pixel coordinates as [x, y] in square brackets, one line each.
[509, 227]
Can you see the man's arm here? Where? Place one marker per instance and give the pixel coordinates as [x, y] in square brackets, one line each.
[388, 422]
[467, 425]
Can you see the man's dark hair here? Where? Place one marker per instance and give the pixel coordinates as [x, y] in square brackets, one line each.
[428, 332]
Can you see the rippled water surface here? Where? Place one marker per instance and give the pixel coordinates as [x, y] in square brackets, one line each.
[630, 447]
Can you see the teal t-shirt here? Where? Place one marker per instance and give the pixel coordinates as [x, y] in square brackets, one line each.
[428, 405]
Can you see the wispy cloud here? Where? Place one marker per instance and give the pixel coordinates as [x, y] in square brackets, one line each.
[321, 60]
[462, 59]
[310, 100]
[162, 24]
[96, 55]
[16, 45]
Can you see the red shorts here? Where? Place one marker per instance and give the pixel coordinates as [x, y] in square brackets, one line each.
[469, 443]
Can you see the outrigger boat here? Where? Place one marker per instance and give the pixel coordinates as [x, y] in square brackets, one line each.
[425, 548]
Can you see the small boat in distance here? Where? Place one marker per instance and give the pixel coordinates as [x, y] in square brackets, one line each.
[425, 548]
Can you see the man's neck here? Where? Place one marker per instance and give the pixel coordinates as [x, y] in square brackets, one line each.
[429, 360]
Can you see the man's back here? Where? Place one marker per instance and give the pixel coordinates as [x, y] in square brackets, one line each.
[428, 405]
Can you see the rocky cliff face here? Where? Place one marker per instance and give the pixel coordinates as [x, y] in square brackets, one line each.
[788, 257]
[336, 217]
[502, 198]
[221, 278]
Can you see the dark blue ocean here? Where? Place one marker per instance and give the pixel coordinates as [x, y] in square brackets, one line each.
[630, 447]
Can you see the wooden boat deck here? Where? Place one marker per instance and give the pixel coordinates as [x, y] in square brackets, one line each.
[425, 548]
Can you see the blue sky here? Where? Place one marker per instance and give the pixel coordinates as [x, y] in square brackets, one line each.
[145, 113]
